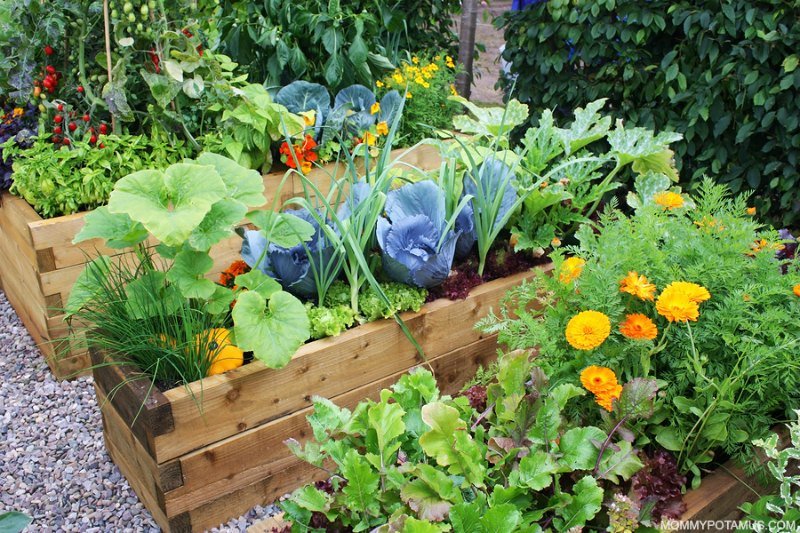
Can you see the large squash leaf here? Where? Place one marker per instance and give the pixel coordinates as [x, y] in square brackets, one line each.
[117, 229]
[273, 330]
[169, 204]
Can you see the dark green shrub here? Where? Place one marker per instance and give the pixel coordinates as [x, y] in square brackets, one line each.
[336, 43]
[725, 74]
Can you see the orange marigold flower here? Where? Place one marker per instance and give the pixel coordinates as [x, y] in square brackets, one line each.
[606, 399]
[588, 330]
[638, 286]
[668, 200]
[375, 109]
[796, 290]
[751, 211]
[571, 269]
[639, 327]
[370, 139]
[382, 128]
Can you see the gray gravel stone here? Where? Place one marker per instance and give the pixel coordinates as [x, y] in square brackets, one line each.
[53, 463]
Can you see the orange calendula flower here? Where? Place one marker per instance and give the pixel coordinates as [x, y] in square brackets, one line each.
[638, 286]
[796, 290]
[587, 330]
[751, 211]
[639, 327]
[570, 269]
[693, 291]
[602, 382]
[668, 200]
[375, 109]
[382, 128]
[680, 301]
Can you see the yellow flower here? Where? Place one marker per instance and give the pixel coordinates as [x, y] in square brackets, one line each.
[397, 77]
[437, 58]
[305, 166]
[587, 330]
[761, 244]
[751, 211]
[638, 286]
[449, 62]
[668, 200]
[382, 128]
[796, 290]
[555, 242]
[375, 109]
[602, 382]
[570, 269]
[309, 117]
[18, 112]
[453, 90]
[370, 138]
[408, 95]
[680, 301]
[415, 60]
[379, 83]
[419, 80]
[639, 327]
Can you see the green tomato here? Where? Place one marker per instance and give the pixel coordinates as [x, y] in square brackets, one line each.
[127, 7]
[131, 17]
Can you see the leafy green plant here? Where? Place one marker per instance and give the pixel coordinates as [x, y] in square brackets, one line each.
[423, 462]
[253, 123]
[71, 179]
[720, 367]
[567, 172]
[331, 42]
[725, 75]
[14, 521]
[189, 207]
[785, 505]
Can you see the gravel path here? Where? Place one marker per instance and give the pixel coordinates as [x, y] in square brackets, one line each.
[53, 463]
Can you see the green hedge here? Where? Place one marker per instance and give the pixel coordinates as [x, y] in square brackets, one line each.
[723, 73]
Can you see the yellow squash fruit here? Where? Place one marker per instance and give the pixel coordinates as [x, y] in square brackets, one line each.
[224, 356]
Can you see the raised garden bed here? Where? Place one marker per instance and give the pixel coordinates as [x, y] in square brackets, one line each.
[194, 470]
[39, 264]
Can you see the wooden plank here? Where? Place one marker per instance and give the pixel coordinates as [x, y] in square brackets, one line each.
[14, 228]
[252, 395]
[245, 457]
[286, 478]
[721, 493]
[142, 406]
[22, 289]
[133, 461]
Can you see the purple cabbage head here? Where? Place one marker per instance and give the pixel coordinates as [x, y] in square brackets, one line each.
[410, 236]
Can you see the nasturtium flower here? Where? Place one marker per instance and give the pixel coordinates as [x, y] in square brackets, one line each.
[587, 330]
[796, 290]
[227, 276]
[638, 286]
[382, 128]
[639, 327]
[602, 382]
[680, 301]
[571, 270]
[668, 200]
[751, 211]
[375, 108]
[370, 138]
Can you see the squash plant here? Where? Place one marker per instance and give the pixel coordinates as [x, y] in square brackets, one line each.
[417, 461]
[190, 207]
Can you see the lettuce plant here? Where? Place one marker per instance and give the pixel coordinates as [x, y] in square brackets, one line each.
[416, 242]
[417, 458]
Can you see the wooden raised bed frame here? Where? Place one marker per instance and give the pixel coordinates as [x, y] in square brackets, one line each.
[195, 470]
[39, 264]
